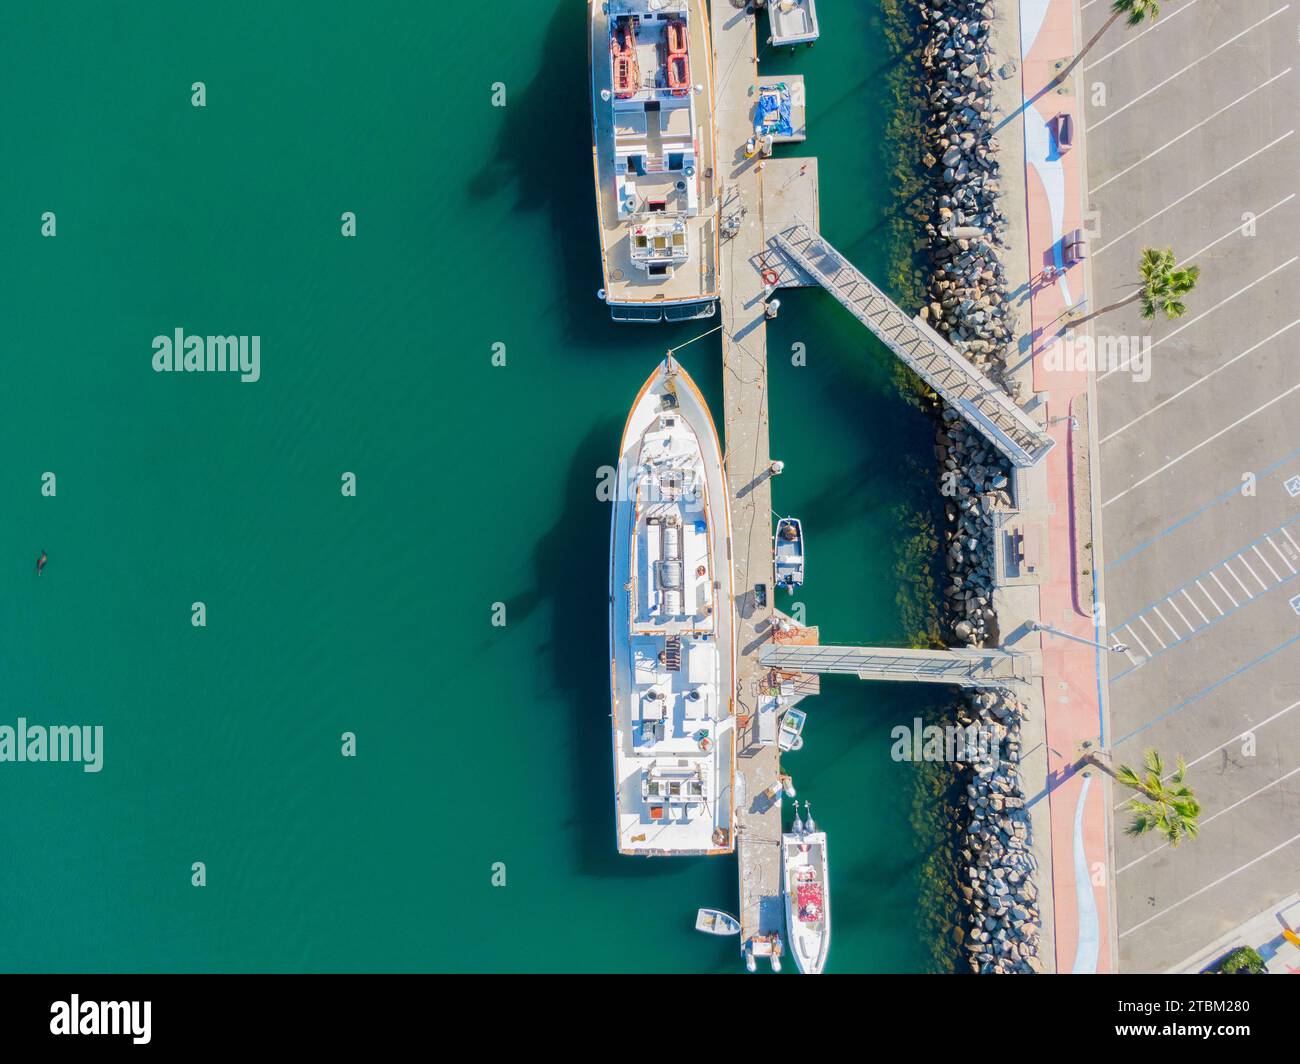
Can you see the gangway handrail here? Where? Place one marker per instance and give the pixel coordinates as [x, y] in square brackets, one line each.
[978, 398]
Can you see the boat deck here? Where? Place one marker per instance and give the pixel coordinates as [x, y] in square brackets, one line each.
[672, 673]
[625, 282]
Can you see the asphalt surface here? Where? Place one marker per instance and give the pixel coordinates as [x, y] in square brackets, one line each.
[1192, 144]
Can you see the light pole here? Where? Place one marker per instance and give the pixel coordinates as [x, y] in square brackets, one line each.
[1114, 648]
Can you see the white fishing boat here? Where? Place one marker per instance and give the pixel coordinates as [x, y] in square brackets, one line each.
[788, 550]
[790, 737]
[653, 150]
[792, 22]
[672, 648]
[805, 886]
[716, 922]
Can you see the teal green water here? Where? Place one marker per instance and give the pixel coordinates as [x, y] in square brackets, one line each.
[476, 485]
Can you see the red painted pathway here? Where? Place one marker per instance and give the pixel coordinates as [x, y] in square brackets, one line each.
[1071, 683]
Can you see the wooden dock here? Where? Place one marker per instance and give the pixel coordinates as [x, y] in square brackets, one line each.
[744, 356]
[798, 106]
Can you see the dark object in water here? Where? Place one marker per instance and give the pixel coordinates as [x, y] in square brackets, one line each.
[40, 562]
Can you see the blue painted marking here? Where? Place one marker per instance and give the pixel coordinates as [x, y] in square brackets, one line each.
[1295, 604]
[1292, 486]
[1201, 694]
[1129, 555]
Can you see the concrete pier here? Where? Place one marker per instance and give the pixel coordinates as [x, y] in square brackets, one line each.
[744, 355]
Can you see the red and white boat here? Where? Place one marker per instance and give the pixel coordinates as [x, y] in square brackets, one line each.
[805, 885]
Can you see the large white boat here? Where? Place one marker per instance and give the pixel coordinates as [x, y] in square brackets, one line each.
[672, 649]
[805, 885]
[653, 153]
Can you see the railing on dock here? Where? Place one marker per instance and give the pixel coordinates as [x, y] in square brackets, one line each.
[980, 400]
[964, 668]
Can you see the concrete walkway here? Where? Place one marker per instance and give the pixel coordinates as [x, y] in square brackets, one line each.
[1074, 675]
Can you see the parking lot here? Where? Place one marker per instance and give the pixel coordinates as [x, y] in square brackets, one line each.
[1191, 144]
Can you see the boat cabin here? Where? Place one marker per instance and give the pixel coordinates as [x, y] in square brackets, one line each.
[656, 151]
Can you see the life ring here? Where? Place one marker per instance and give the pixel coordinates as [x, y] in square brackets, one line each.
[771, 277]
[700, 570]
[706, 744]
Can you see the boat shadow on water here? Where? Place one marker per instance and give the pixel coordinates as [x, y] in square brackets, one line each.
[543, 153]
[570, 573]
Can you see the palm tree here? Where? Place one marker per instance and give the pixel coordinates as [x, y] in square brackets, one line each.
[1137, 12]
[1161, 289]
[1167, 805]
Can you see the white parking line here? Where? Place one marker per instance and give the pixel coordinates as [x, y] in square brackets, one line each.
[1214, 816]
[1155, 635]
[1233, 573]
[1285, 560]
[1207, 595]
[1188, 195]
[1240, 735]
[1209, 886]
[1290, 540]
[1195, 606]
[1174, 461]
[1193, 63]
[1137, 640]
[1234, 602]
[1255, 548]
[1236, 228]
[1174, 606]
[1226, 299]
[1156, 611]
[1253, 728]
[1184, 391]
[1155, 24]
[1193, 129]
[1242, 558]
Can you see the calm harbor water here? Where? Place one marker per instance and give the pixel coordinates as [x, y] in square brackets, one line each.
[475, 485]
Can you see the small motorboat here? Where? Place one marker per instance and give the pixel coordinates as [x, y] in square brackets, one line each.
[790, 737]
[805, 886]
[716, 922]
[792, 22]
[789, 553]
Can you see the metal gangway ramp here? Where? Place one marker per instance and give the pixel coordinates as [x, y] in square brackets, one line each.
[980, 400]
[964, 668]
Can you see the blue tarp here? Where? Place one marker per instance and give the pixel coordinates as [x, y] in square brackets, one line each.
[773, 102]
